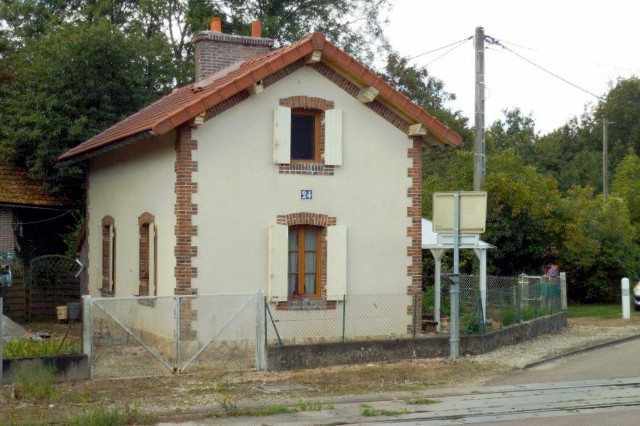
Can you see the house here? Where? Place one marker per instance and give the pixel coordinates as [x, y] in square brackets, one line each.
[294, 171]
[24, 200]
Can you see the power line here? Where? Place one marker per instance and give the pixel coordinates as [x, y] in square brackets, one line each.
[495, 41]
[447, 52]
[440, 48]
[599, 64]
[46, 220]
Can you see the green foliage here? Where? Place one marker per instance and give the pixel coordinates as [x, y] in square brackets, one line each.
[35, 382]
[22, 348]
[626, 185]
[429, 300]
[72, 83]
[516, 132]
[425, 90]
[368, 411]
[103, 416]
[600, 246]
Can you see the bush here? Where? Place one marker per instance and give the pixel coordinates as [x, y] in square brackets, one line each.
[429, 300]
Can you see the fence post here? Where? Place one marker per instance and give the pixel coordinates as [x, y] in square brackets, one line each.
[1, 337]
[563, 291]
[177, 313]
[87, 332]
[261, 340]
[415, 313]
[344, 316]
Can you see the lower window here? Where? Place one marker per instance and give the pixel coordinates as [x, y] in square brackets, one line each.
[305, 249]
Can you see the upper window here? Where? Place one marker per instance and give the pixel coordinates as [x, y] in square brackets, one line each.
[307, 139]
[304, 261]
[305, 135]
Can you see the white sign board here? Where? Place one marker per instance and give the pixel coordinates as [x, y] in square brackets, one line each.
[473, 212]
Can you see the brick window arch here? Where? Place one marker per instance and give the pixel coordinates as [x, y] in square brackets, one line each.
[147, 269]
[108, 257]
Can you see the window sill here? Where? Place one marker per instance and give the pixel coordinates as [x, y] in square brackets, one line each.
[306, 168]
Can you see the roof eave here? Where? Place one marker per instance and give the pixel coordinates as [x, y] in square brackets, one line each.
[69, 158]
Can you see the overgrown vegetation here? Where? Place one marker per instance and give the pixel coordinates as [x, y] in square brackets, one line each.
[35, 382]
[103, 416]
[22, 348]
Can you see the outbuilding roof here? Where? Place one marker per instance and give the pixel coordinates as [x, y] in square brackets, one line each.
[188, 102]
[17, 189]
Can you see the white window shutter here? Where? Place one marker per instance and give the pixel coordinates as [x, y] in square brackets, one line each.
[333, 137]
[282, 135]
[278, 263]
[336, 262]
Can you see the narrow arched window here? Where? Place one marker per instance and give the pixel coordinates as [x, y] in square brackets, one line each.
[147, 256]
[108, 256]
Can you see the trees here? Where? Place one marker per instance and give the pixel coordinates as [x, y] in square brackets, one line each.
[599, 245]
[71, 84]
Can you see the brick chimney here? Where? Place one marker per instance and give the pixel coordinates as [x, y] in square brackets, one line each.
[215, 50]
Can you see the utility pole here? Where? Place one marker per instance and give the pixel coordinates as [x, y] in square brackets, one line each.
[605, 160]
[479, 145]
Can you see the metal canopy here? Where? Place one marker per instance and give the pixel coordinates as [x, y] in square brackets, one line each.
[438, 244]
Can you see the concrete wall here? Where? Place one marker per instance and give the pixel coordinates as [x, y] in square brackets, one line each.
[324, 355]
[68, 368]
[124, 184]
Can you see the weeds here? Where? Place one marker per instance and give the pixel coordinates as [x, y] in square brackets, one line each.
[102, 416]
[422, 401]
[22, 348]
[35, 382]
[232, 410]
[368, 411]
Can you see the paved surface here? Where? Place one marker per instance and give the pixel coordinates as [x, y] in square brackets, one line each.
[613, 360]
[600, 386]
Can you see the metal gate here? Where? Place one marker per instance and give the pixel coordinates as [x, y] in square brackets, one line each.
[146, 336]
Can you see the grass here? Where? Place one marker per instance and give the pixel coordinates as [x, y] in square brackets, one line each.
[422, 401]
[232, 410]
[368, 411]
[607, 311]
[102, 416]
[22, 348]
[35, 382]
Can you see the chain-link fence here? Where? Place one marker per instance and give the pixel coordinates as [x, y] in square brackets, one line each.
[145, 336]
[509, 300]
[351, 317]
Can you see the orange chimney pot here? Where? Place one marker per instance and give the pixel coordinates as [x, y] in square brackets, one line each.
[215, 25]
[256, 29]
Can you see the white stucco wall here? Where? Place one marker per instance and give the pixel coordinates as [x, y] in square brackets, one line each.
[125, 183]
[240, 192]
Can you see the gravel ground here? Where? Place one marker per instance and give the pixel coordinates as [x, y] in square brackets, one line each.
[580, 333]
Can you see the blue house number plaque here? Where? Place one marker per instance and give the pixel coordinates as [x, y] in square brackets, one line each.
[306, 194]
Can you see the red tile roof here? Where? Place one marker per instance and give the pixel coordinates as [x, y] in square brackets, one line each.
[17, 189]
[189, 101]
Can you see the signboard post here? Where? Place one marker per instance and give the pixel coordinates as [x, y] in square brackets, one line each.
[458, 212]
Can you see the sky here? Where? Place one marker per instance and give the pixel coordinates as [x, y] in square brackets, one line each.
[588, 43]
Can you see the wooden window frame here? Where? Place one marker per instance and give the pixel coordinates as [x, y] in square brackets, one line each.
[320, 234]
[317, 123]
